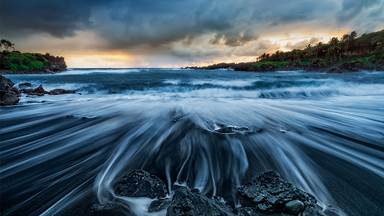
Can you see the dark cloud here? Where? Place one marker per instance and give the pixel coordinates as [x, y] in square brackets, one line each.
[233, 40]
[303, 43]
[352, 8]
[56, 17]
[158, 25]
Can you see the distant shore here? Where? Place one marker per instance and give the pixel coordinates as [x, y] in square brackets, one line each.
[352, 66]
[348, 54]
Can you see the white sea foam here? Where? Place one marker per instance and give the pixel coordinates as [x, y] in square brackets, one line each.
[309, 131]
[90, 71]
[213, 82]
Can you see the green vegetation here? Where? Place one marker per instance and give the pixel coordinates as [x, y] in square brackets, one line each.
[15, 61]
[349, 53]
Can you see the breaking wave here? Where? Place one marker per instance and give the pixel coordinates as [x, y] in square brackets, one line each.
[323, 132]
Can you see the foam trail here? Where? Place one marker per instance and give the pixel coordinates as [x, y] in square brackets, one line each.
[60, 154]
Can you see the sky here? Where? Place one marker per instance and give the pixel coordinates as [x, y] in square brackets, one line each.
[176, 33]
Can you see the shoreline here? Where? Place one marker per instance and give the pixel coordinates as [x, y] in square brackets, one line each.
[267, 67]
[7, 72]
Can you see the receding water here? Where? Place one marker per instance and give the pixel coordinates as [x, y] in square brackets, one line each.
[323, 132]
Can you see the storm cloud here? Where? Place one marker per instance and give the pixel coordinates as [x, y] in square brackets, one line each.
[180, 26]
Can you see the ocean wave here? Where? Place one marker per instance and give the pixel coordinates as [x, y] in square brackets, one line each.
[57, 153]
[91, 71]
[214, 82]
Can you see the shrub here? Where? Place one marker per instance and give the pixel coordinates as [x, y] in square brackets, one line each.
[16, 61]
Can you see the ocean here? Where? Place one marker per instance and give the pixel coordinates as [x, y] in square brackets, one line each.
[210, 130]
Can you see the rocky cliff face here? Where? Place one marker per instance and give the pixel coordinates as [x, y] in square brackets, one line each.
[55, 63]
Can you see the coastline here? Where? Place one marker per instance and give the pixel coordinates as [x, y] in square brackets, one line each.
[347, 54]
[244, 68]
[7, 72]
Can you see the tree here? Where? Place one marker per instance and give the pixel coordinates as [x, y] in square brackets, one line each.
[7, 45]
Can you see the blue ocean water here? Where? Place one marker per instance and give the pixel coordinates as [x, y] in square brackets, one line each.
[323, 132]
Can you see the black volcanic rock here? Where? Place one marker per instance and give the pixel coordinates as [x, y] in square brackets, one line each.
[269, 193]
[25, 85]
[60, 91]
[5, 83]
[39, 91]
[191, 203]
[9, 95]
[140, 183]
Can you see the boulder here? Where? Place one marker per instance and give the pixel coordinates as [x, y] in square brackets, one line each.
[9, 95]
[8, 98]
[5, 83]
[269, 193]
[187, 202]
[140, 183]
[39, 90]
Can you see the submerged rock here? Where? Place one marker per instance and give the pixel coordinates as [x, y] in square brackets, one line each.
[140, 183]
[25, 85]
[269, 193]
[187, 202]
[60, 91]
[39, 91]
[231, 129]
[9, 95]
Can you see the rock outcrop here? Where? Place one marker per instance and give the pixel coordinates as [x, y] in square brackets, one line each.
[61, 91]
[269, 193]
[140, 183]
[55, 63]
[266, 195]
[40, 91]
[192, 202]
[9, 95]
